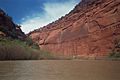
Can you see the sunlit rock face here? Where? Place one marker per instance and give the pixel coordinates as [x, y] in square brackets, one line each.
[8, 28]
[89, 30]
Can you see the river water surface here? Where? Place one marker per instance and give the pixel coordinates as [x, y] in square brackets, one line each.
[60, 70]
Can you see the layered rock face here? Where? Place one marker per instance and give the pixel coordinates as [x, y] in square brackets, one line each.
[88, 30]
[8, 28]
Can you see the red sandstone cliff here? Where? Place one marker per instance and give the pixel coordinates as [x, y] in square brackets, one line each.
[88, 30]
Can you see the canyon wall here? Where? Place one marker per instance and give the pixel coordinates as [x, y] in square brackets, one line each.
[8, 28]
[88, 30]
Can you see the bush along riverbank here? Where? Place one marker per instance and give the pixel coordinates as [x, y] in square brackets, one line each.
[14, 49]
[115, 52]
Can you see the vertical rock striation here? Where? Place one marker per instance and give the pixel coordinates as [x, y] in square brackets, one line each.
[88, 30]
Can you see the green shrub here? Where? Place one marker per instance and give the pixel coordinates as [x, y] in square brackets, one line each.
[20, 50]
[11, 49]
[16, 50]
[115, 53]
[31, 44]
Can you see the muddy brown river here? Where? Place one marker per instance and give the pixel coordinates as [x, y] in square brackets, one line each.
[60, 70]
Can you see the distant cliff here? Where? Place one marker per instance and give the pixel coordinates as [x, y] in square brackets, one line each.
[89, 30]
[8, 28]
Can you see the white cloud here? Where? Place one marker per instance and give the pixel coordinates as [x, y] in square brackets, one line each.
[52, 11]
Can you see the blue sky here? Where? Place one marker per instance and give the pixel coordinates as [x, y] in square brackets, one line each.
[33, 14]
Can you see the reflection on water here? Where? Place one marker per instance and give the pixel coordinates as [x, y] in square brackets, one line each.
[60, 70]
